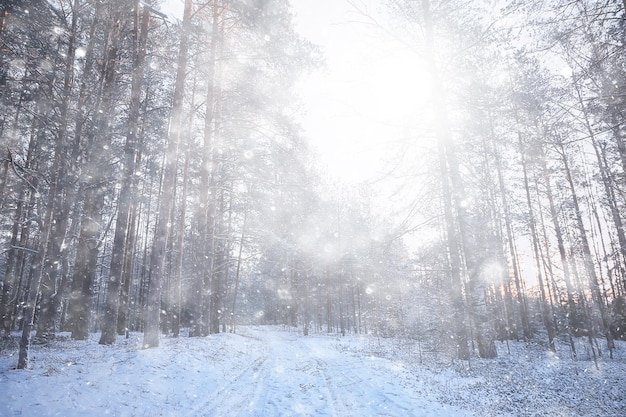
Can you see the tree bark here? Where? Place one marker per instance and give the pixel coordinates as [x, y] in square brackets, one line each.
[521, 299]
[157, 257]
[587, 258]
[124, 205]
[451, 173]
[94, 182]
[61, 194]
[535, 246]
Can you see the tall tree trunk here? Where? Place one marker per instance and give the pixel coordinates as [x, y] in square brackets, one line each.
[572, 324]
[9, 290]
[8, 282]
[124, 205]
[82, 291]
[34, 286]
[60, 192]
[130, 250]
[23, 259]
[548, 266]
[605, 177]
[31, 299]
[502, 285]
[127, 273]
[167, 286]
[216, 181]
[521, 298]
[536, 247]
[218, 260]
[180, 244]
[208, 192]
[94, 182]
[145, 267]
[4, 173]
[76, 156]
[233, 310]
[587, 257]
[466, 230]
[157, 257]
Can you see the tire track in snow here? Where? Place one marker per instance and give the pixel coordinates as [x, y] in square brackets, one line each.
[295, 385]
[229, 396]
[298, 376]
[330, 382]
[332, 393]
[354, 395]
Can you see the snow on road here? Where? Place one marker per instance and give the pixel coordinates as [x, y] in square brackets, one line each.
[264, 372]
[273, 371]
[308, 376]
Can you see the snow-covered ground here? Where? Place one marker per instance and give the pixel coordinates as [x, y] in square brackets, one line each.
[269, 371]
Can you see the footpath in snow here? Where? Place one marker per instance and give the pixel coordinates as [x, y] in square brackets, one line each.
[268, 371]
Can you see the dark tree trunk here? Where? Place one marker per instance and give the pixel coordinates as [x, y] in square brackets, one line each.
[233, 310]
[125, 201]
[536, 247]
[157, 258]
[464, 238]
[51, 295]
[9, 290]
[587, 257]
[94, 182]
[38, 270]
[81, 296]
[521, 299]
[207, 208]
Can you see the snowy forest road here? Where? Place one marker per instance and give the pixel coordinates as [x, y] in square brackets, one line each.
[298, 375]
[261, 371]
[269, 371]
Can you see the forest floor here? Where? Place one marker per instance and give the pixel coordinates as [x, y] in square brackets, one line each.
[270, 371]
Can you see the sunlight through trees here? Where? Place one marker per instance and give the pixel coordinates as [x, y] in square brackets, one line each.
[156, 174]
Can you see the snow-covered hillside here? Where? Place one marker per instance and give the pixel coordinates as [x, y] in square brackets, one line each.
[270, 371]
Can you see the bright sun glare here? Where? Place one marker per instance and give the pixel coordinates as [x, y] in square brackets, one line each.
[357, 105]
